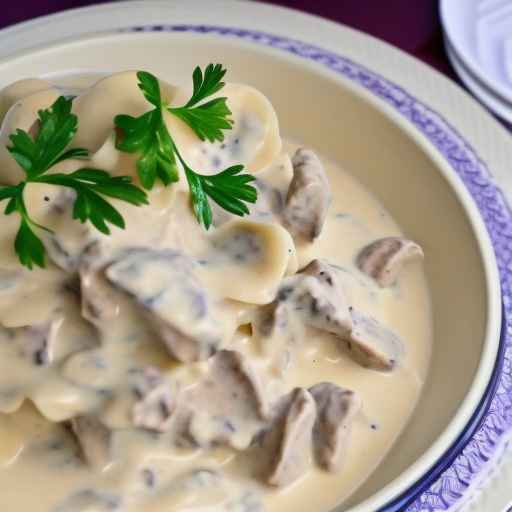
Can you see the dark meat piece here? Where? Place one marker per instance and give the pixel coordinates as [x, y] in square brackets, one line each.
[94, 439]
[384, 259]
[373, 345]
[178, 306]
[36, 342]
[157, 400]
[273, 318]
[308, 197]
[312, 298]
[69, 248]
[229, 406]
[328, 306]
[288, 442]
[336, 409]
[99, 302]
[316, 297]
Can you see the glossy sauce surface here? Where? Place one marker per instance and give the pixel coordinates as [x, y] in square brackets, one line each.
[103, 343]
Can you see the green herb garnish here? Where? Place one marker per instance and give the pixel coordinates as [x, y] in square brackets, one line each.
[148, 135]
[210, 118]
[36, 156]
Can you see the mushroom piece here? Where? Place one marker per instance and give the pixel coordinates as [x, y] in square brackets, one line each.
[329, 309]
[229, 406]
[290, 437]
[91, 501]
[36, 342]
[384, 259]
[373, 345]
[94, 439]
[317, 297]
[179, 308]
[272, 319]
[157, 401]
[313, 298]
[276, 334]
[308, 197]
[68, 246]
[336, 409]
[99, 301]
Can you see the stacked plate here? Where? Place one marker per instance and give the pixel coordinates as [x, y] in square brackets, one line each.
[478, 37]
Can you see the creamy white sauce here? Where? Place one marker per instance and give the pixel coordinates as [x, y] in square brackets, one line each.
[94, 362]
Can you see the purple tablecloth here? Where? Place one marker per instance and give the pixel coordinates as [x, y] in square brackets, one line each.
[412, 25]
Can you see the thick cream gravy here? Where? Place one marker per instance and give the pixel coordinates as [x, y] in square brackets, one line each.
[92, 361]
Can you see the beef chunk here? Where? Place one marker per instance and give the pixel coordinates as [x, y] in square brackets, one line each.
[308, 197]
[99, 302]
[328, 306]
[229, 406]
[36, 342]
[157, 401]
[384, 259]
[94, 439]
[288, 441]
[372, 344]
[178, 306]
[316, 296]
[336, 408]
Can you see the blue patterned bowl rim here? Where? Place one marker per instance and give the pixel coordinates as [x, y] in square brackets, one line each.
[448, 480]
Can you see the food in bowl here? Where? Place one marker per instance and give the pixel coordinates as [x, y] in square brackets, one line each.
[253, 338]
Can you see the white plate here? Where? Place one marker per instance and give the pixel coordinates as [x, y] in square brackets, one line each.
[480, 32]
[441, 95]
[487, 96]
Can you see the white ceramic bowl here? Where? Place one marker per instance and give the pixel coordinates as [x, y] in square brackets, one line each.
[356, 118]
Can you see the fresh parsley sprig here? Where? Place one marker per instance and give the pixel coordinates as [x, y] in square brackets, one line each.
[148, 135]
[210, 118]
[158, 158]
[36, 156]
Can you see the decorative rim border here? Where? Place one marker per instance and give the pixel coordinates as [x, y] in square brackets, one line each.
[449, 479]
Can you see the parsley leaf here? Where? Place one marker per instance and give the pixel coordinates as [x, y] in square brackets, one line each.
[28, 245]
[208, 84]
[208, 120]
[148, 135]
[229, 189]
[56, 128]
[90, 185]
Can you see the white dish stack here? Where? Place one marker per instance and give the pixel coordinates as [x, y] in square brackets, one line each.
[478, 38]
